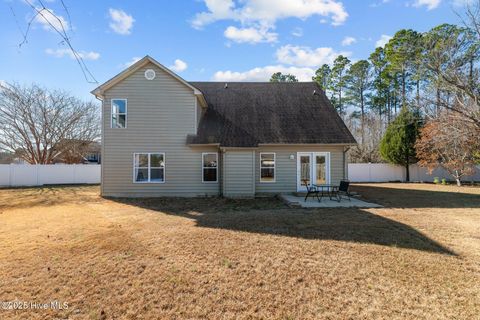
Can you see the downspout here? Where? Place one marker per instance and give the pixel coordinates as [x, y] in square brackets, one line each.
[222, 174]
[345, 164]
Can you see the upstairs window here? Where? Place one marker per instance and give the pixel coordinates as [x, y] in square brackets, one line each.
[149, 167]
[119, 113]
[267, 167]
[209, 167]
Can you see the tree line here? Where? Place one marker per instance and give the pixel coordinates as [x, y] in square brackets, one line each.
[416, 99]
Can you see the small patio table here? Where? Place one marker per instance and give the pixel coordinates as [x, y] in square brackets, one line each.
[326, 190]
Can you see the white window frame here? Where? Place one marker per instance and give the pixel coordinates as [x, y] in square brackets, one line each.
[111, 113]
[203, 167]
[274, 167]
[149, 167]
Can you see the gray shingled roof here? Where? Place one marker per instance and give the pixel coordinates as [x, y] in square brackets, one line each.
[246, 114]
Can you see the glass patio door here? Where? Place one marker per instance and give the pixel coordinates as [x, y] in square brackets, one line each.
[312, 168]
[305, 166]
[320, 169]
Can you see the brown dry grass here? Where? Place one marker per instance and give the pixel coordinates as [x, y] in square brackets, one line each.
[212, 258]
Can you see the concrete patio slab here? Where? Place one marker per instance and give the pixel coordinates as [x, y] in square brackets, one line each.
[327, 203]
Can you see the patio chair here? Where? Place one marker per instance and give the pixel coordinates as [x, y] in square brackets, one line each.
[342, 190]
[311, 190]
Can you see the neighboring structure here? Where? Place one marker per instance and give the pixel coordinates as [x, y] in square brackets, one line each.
[164, 136]
[78, 152]
[9, 157]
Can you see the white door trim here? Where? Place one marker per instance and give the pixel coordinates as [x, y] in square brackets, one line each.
[313, 160]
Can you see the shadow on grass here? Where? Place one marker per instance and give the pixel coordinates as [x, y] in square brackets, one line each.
[271, 216]
[415, 198]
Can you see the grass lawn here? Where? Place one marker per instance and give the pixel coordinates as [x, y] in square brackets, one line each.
[417, 258]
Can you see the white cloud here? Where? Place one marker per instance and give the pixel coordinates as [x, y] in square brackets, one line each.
[347, 41]
[179, 66]
[50, 20]
[269, 11]
[297, 32]
[305, 56]
[263, 74]
[250, 35]
[379, 3]
[131, 62]
[263, 14]
[60, 53]
[430, 4]
[382, 41]
[122, 22]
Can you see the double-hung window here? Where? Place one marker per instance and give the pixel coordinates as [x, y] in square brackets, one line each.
[119, 113]
[267, 167]
[149, 167]
[209, 167]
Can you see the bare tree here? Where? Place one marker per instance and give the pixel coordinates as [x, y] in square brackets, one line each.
[373, 128]
[452, 64]
[39, 124]
[448, 141]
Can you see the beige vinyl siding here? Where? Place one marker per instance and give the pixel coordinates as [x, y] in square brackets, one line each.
[199, 112]
[160, 115]
[286, 169]
[238, 173]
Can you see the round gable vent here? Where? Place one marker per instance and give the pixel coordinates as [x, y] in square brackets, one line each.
[149, 74]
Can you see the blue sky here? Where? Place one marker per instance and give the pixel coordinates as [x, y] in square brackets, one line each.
[223, 40]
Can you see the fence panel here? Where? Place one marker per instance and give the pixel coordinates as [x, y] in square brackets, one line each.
[4, 175]
[381, 172]
[15, 175]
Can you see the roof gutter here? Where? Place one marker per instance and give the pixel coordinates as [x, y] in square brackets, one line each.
[203, 144]
[305, 144]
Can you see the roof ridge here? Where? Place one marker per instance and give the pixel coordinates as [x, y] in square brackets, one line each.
[254, 82]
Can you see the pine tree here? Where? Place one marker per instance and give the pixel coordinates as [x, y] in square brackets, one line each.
[337, 83]
[402, 52]
[280, 77]
[398, 143]
[357, 83]
[379, 101]
[322, 76]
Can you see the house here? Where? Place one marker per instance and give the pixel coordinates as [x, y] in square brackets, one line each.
[73, 151]
[164, 136]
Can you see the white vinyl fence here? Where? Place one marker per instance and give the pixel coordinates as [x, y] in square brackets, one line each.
[16, 175]
[382, 172]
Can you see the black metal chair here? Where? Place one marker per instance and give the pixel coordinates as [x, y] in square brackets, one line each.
[342, 190]
[311, 190]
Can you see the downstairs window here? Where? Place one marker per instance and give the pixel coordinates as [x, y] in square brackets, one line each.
[149, 167]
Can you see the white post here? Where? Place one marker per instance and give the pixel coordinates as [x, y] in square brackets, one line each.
[10, 175]
[37, 168]
[74, 173]
[369, 172]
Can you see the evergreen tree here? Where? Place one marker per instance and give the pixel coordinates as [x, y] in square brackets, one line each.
[398, 143]
[322, 76]
[357, 83]
[337, 82]
[378, 62]
[280, 77]
[402, 52]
